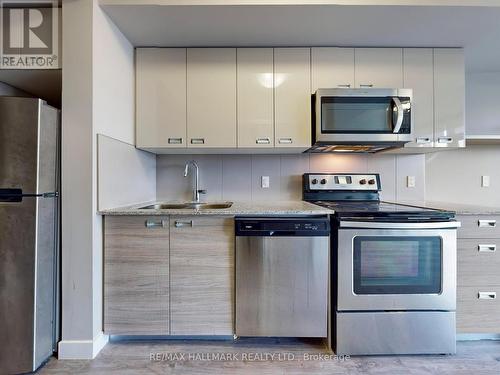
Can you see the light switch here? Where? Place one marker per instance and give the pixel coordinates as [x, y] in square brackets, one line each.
[410, 181]
[485, 181]
[264, 182]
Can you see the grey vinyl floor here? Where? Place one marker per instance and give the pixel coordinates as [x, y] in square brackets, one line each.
[270, 356]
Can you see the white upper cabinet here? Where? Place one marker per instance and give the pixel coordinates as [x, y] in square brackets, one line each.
[292, 95]
[255, 81]
[378, 67]
[418, 75]
[449, 97]
[332, 67]
[211, 97]
[161, 97]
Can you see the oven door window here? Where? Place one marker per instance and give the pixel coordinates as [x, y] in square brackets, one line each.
[397, 265]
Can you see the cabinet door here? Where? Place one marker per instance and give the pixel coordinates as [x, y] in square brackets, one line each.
[379, 67]
[202, 275]
[332, 67]
[136, 272]
[255, 97]
[161, 97]
[449, 97]
[292, 82]
[211, 97]
[418, 75]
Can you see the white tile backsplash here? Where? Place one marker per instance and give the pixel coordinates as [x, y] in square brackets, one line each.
[266, 165]
[385, 165]
[238, 177]
[410, 165]
[292, 168]
[455, 176]
[338, 163]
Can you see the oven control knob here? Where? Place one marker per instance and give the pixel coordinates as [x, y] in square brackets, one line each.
[371, 182]
[323, 181]
[362, 182]
[314, 181]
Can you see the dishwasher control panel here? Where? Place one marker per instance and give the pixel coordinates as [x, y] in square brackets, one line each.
[282, 226]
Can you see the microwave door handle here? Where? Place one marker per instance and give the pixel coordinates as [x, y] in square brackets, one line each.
[399, 119]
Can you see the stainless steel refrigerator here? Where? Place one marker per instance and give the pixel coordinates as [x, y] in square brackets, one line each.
[29, 233]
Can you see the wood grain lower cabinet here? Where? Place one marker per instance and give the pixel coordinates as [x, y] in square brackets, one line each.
[136, 275]
[478, 309]
[478, 262]
[201, 275]
[479, 226]
[478, 290]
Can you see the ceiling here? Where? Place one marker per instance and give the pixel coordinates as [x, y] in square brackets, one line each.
[45, 84]
[158, 23]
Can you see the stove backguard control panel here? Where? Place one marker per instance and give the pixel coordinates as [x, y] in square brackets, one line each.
[323, 181]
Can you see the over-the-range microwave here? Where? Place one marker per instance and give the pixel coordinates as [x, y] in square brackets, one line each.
[361, 120]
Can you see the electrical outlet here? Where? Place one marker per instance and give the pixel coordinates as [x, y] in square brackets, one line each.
[264, 182]
[410, 181]
[485, 181]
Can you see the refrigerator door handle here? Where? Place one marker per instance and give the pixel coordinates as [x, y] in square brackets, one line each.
[16, 195]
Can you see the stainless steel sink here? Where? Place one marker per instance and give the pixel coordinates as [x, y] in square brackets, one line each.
[189, 205]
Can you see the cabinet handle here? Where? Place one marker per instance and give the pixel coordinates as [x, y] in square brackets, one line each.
[263, 141]
[174, 141]
[197, 141]
[285, 141]
[155, 224]
[347, 85]
[445, 140]
[487, 295]
[180, 224]
[487, 223]
[487, 248]
[366, 85]
[423, 140]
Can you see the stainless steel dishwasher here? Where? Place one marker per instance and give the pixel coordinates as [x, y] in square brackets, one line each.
[282, 273]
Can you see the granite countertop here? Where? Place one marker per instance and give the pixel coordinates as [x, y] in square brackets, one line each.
[458, 208]
[238, 208]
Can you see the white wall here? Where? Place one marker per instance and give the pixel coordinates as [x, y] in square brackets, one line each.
[482, 103]
[237, 177]
[118, 161]
[78, 297]
[114, 80]
[455, 176]
[98, 97]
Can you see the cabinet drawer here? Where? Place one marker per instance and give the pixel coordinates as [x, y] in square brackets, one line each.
[475, 314]
[478, 262]
[479, 226]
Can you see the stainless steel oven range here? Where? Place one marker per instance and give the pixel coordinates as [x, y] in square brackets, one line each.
[393, 276]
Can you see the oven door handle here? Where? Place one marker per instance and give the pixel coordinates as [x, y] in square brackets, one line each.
[399, 118]
[399, 225]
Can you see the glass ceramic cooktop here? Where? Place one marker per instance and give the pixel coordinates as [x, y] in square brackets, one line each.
[382, 209]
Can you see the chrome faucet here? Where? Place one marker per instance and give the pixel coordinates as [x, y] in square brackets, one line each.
[196, 191]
